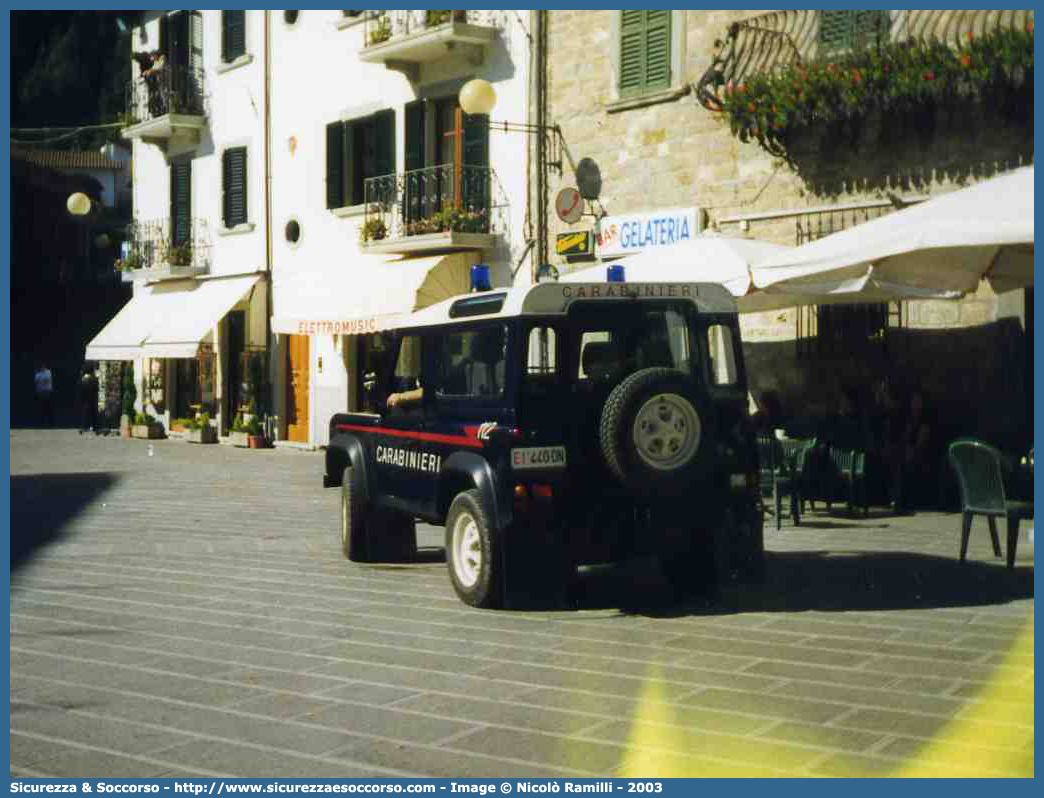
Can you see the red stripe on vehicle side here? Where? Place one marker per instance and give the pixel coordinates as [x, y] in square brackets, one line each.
[432, 437]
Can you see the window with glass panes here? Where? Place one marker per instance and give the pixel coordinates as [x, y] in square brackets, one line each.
[358, 149]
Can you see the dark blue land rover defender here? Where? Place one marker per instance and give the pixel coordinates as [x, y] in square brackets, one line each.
[555, 425]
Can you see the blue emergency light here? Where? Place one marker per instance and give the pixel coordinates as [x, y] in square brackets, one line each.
[615, 274]
[480, 277]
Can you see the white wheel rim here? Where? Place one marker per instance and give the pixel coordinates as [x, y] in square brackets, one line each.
[666, 431]
[466, 550]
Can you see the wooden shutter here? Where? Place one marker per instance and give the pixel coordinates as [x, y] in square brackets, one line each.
[177, 49]
[384, 143]
[180, 201]
[657, 49]
[632, 51]
[335, 165]
[233, 34]
[846, 29]
[645, 51]
[414, 155]
[235, 186]
[476, 140]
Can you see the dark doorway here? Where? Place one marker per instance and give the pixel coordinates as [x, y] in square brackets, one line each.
[236, 320]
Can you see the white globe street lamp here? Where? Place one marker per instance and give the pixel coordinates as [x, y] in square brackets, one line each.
[477, 97]
[78, 204]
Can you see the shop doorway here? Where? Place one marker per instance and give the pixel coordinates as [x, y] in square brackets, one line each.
[236, 345]
[297, 388]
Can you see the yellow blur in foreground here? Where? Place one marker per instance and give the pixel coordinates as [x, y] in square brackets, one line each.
[991, 736]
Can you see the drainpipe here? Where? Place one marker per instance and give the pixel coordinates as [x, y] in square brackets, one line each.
[267, 189]
[540, 254]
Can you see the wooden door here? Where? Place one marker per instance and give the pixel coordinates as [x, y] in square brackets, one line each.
[297, 388]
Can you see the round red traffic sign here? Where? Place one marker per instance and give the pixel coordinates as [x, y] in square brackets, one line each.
[568, 205]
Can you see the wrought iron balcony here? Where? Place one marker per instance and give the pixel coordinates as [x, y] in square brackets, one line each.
[153, 255]
[406, 39]
[166, 108]
[437, 208]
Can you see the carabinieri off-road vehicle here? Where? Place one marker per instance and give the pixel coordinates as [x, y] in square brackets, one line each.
[556, 425]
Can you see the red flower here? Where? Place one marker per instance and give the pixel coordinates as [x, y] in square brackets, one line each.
[1029, 26]
[970, 35]
[966, 60]
[751, 108]
[857, 77]
[929, 75]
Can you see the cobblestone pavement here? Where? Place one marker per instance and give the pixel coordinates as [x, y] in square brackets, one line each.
[189, 613]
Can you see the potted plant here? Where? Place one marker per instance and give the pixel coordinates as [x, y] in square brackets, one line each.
[238, 434]
[255, 434]
[200, 430]
[382, 30]
[435, 18]
[131, 262]
[130, 395]
[145, 426]
[373, 229]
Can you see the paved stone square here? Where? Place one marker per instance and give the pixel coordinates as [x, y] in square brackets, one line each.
[189, 613]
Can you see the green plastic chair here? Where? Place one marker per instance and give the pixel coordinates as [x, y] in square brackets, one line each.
[978, 467]
[851, 470]
[777, 478]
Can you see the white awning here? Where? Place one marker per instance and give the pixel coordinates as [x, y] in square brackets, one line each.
[196, 312]
[168, 319]
[354, 300]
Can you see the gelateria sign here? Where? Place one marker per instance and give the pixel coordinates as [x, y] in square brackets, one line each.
[633, 232]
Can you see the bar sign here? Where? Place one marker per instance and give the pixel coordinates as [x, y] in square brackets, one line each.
[576, 243]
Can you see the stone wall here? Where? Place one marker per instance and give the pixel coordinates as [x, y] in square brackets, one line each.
[969, 356]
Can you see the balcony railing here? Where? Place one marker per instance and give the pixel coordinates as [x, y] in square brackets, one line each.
[417, 36]
[440, 207]
[153, 255]
[779, 39]
[174, 90]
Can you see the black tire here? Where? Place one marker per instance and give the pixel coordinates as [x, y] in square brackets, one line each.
[354, 539]
[473, 552]
[661, 406]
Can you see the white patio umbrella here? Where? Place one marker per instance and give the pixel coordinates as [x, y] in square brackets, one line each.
[940, 249]
[706, 258]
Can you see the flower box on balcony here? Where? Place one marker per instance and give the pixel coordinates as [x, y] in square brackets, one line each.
[431, 242]
[405, 39]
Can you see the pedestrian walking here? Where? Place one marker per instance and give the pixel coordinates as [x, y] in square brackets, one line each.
[43, 385]
[89, 401]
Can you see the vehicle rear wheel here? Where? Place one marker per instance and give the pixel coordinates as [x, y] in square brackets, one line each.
[354, 542]
[374, 534]
[472, 554]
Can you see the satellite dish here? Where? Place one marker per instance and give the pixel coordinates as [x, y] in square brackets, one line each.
[588, 179]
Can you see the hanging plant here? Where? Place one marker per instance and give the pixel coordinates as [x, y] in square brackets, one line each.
[902, 78]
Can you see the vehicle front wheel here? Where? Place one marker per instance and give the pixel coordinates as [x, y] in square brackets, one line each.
[472, 553]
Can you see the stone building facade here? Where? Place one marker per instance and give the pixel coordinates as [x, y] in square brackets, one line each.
[661, 148]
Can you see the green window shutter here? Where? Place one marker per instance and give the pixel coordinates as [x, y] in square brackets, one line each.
[180, 201]
[847, 29]
[233, 34]
[335, 165]
[414, 154]
[476, 140]
[383, 144]
[657, 49]
[234, 173]
[632, 52]
[645, 51]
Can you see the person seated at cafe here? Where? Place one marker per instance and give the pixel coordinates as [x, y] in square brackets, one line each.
[768, 416]
[908, 455]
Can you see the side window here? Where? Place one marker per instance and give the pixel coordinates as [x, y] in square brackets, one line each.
[233, 35]
[371, 358]
[357, 150]
[471, 363]
[851, 29]
[234, 186]
[721, 348]
[408, 364]
[645, 51]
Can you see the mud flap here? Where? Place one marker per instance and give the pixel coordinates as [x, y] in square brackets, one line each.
[535, 567]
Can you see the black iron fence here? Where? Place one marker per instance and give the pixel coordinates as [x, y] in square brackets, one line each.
[150, 245]
[167, 90]
[437, 199]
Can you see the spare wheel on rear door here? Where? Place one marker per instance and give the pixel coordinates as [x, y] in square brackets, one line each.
[657, 433]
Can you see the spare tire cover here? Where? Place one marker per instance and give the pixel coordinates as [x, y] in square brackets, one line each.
[656, 432]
